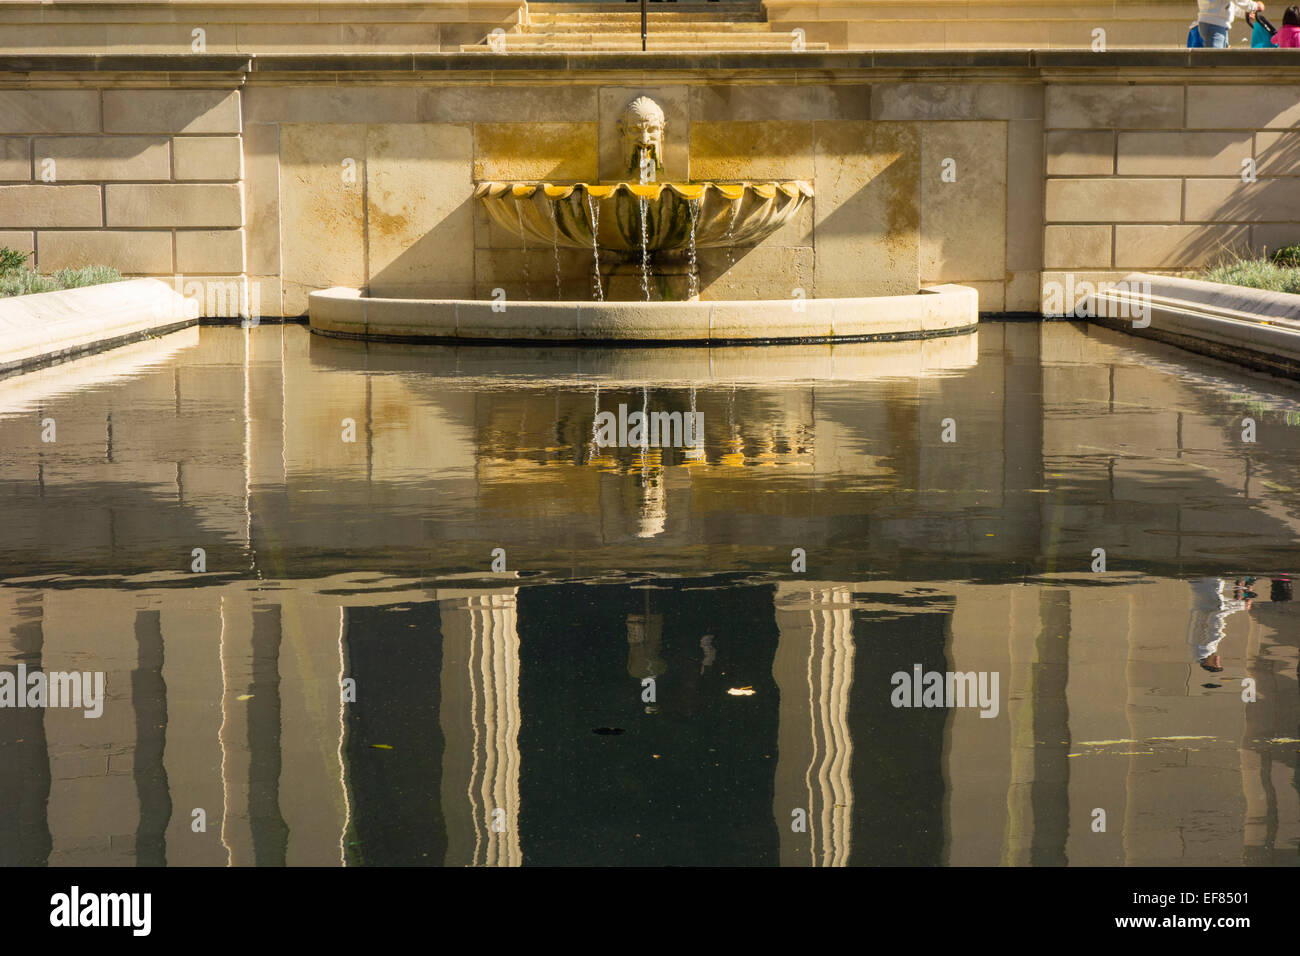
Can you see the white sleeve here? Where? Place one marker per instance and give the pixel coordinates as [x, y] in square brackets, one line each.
[1245, 6]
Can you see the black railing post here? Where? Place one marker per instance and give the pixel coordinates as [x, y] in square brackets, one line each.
[643, 19]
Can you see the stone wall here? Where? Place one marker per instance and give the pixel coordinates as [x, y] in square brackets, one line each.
[295, 26]
[250, 26]
[977, 25]
[1168, 176]
[1001, 171]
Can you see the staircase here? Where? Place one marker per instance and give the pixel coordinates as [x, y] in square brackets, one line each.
[584, 27]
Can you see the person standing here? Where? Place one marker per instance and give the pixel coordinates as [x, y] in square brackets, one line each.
[1288, 34]
[1214, 17]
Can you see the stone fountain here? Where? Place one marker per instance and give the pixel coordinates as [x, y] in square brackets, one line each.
[642, 233]
[643, 236]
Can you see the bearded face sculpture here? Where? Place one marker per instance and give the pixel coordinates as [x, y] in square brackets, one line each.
[642, 129]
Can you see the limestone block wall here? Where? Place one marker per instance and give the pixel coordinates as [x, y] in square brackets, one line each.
[146, 180]
[258, 179]
[250, 26]
[1166, 177]
[977, 25]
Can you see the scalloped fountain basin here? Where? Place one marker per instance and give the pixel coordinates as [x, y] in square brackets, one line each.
[723, 214]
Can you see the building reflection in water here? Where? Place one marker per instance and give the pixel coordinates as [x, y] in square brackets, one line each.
[225, 698]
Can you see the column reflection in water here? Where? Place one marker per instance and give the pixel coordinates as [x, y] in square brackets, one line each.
[813, 668]
[480, 723]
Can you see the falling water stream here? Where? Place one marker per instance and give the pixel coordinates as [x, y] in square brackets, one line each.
[692, 277]
[523, 237]
[645, 251]
[595, 249]
[555, 248]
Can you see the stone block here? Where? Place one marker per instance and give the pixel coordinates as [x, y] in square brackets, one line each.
[505, 104]
[1249, 106]
[49, 111]
[1277, 154]
[131, 253]
[171, 111]
[867, 208]
[714, 103]
[1176, 247]
[1231, 200]
[1077, 247]
[208, 158]
[101, 158]
[331, 104]
[1114, 200]
[420, 208]
[558, 152]
[40, 206]
[211, 251]
[754, 151]
[963, 221]
[323, 239]
[15, 160]
[261, 164]
[1182, 153]
[1126, 107]
[173, 204]
[1081, 153]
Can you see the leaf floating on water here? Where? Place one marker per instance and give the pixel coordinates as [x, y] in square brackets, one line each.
[382, 746]
[741, 691]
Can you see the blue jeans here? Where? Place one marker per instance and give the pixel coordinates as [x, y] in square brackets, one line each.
[1213, 35]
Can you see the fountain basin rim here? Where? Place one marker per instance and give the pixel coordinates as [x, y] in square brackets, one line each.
[651, 191]
[932, 311]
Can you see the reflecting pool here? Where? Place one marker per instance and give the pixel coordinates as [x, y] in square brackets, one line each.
[360, 604]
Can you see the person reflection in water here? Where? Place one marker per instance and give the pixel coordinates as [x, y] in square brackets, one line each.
[1213, 602]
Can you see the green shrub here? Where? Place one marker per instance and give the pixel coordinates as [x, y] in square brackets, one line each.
[11, 259]
[1255, 274]
[1288, 256]
[23, 281]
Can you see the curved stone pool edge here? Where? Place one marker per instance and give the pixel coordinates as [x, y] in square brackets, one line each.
[934, 311]
[49, 327]
[1251, 327]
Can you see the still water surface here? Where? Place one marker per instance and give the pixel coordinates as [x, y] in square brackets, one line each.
[654, 677]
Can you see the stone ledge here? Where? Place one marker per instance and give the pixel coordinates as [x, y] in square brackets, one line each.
[1250, 327]
[50, 326]
[935, 311]
[622, 61]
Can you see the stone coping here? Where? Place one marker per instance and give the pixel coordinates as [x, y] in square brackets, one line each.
[1280, 61]
[49, 327]
[1251, 327]
[937, 310]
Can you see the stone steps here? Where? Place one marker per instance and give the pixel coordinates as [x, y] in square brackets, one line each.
[711, 26]
[611, 44]
[610, 27]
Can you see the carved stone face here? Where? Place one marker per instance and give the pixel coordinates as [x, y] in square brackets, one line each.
[642, 129]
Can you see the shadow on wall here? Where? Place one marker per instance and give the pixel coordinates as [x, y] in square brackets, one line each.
[1235, 218]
